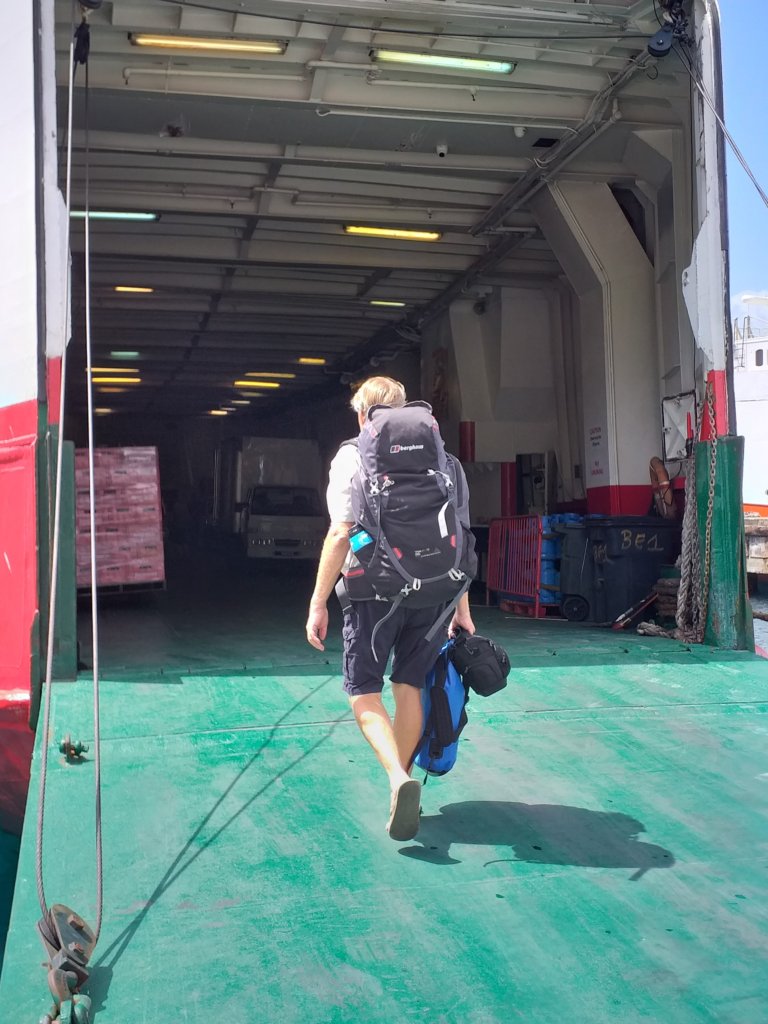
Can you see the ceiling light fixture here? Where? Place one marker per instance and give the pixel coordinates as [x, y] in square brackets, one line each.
[112, 369]
[125, 354]
[130, 215]
[218, 412]
[241, 401]
[311, 361]
[102, 410]
[116, 380]
[207, 44]
[274, 376]
[401, 234]
[133, 289]
[266, 384]
[111, 391]
[387, 302]
[440, 60]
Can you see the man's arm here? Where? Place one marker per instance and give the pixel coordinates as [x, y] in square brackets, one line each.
[335, 548]
[462, 616]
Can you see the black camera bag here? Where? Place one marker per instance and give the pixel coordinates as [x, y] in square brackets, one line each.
[482, 664]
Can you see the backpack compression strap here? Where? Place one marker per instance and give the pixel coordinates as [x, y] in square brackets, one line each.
[448, 610]
[346, 606]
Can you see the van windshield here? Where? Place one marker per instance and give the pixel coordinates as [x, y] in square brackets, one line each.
[285, 501]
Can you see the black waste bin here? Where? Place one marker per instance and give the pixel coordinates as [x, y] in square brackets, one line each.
[609, 563]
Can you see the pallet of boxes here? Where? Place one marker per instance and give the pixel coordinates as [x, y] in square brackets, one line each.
[129, 520]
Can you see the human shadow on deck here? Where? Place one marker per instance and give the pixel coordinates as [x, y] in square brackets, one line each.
[201, 839]
[539, 834]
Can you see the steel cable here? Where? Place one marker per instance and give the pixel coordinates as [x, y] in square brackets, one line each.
[54, 566]
[92, 524]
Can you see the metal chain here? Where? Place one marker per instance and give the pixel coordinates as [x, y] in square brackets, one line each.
[709, 399]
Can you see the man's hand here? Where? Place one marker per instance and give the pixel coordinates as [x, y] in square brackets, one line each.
[462, 617]
[317, 625]
[463, 620]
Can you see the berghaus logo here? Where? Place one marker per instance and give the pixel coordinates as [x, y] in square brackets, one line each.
[405, 448]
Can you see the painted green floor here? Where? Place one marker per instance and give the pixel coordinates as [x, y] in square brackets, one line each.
[9, 855]
[599, 853]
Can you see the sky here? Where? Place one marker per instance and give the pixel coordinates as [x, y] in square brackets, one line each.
[745, 32]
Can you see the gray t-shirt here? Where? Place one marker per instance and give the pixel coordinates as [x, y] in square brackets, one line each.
[345, 464]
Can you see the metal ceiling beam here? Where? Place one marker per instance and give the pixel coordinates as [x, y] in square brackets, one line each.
[602, 116]
[555, 13]
[490, 167]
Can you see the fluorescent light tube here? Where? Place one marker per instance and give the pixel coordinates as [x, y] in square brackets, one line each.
[116, 380]
[133, 289]
[387, 302]
[125, 354]
[273, 376]
[112, 369]
[266, 384]
[311, 361]
[402, 234]
[218, 412]
[441, 60]
[207, 44]
[134, 215]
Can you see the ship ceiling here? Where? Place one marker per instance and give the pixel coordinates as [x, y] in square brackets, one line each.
[255, 164]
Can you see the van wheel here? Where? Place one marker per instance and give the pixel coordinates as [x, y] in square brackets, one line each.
[574, 608]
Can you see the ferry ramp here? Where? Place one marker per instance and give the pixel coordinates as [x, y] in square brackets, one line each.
[598, 854]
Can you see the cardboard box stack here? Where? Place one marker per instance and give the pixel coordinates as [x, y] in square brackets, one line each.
[129, 521]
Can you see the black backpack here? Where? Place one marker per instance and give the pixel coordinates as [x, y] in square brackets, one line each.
[410, 501]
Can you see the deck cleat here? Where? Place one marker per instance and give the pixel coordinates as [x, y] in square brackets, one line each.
[69, 943]
[73, 750]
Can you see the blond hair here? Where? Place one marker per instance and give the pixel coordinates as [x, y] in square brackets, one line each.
[378, 391]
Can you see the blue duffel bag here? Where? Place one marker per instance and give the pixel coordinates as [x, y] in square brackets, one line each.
[444, 699]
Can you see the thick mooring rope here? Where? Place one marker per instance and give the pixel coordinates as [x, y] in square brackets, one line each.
[689, 617]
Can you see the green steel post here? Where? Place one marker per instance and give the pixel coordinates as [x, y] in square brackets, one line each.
[44, 524]
[729, 617]
[65, 641]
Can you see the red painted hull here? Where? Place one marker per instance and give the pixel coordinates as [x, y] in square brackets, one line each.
[17, 741]
[18, 601]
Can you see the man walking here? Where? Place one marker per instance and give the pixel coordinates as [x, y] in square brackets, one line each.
[373, 629]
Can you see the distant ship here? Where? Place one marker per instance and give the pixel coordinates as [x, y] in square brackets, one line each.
[750, 357]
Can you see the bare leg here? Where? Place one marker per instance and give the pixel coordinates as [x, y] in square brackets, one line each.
[409, 721]
[376, 725]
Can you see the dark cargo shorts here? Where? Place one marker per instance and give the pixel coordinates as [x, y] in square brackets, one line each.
[403, 632]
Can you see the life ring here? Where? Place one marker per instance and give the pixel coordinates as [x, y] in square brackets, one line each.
[663, 495]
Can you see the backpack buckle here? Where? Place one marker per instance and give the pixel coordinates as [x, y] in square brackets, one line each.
[409, 588]
[456, 575]
[377, 488]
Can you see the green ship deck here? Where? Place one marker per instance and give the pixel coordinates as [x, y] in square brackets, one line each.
[599, 853]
